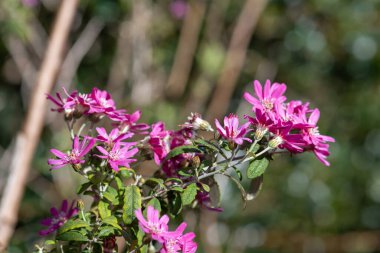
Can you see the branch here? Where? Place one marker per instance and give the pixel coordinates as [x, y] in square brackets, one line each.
[187, 46]
[27, 138]
[21, 57]
[235, 57]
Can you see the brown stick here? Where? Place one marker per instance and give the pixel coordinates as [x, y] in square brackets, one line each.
[187, 46]
[27, 138]
[235, 57]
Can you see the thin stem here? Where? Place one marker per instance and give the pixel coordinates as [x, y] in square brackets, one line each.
[81, 128]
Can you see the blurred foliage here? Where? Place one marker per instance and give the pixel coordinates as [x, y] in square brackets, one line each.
[326, 51]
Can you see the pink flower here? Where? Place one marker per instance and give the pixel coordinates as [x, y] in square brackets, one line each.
[177, 242]
[153, 225]
[267, 98]
[284, 139]
[160, 140]
[187, 243]
[231, 130]
[113, 137]
[101, 101]
[118, 156]
[128, 122]
[59, 217]
[316, 141]
[75, 156]
[195, 122]
[63, 104]
[261, 122]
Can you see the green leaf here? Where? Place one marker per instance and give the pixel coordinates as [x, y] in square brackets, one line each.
[144, 249]
[155, 203]
[188, 195]
[140, 236]
[175, 203]
[119, 183]
[240, 187]
[174, 180]
[255, 187]
[183, 173]
[72, 236]
[182, 149]
[49, 242]
[205, 187]
[83, 187]
[106, 231]
[112, 195]
[104, 212]
[204, 143]
[215, 194]
[157, 181]
[72, 224]
[132, 202]
[177, 189]
[257, 168]
[112, 220]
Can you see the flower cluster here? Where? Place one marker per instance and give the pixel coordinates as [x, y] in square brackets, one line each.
[95, 106]
[292, 125]
[157, 228]
[187, 164]
[112, 147]
[59, 217]
[162, 141]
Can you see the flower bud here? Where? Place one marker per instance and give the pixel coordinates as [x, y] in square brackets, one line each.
[275, 142]
[196, 161]
[196, 122]
[80, 204]
[260, 132]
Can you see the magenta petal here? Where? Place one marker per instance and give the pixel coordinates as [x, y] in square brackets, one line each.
[58, 153]
[258, 89]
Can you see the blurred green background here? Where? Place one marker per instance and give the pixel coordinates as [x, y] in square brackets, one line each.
[167, 57]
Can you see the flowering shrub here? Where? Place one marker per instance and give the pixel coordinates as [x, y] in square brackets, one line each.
[138, 209]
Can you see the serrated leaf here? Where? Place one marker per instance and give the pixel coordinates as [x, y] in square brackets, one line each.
[132, 202]
[155, 203]
[112, 220]
[72, 236]
[106, 231]
[104, 211]
[181, 150]
[188, 195]
[257, 168]
[255, 187]
[72, 224]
